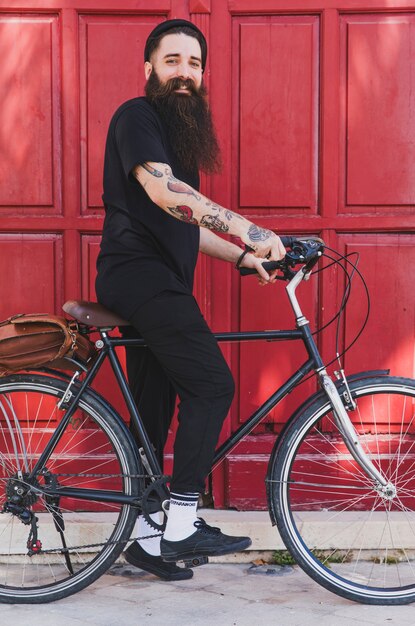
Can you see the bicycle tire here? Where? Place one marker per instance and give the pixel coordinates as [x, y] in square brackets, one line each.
[349, 537]
[95, 451]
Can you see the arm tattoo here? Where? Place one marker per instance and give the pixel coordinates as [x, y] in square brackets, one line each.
[178, 187]
[228, 214]
[212, 222]
[214, 207]
[184, 213]
[152, 170]
[255, 233]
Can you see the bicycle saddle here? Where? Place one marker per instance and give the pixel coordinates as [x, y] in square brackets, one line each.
[93, 314]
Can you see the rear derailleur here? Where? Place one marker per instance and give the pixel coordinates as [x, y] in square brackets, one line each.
[25, 515]
[22, 492]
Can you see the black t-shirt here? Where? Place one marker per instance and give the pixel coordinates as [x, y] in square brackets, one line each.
[144, 250]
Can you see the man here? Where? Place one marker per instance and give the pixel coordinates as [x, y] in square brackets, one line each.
[156, 222]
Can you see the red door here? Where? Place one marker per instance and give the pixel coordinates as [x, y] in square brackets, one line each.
[314, 104]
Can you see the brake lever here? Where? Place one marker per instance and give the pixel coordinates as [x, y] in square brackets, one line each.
[299, 254]
[270, 266]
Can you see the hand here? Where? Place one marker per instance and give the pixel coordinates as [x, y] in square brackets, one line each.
[252, 262]
[264, 242]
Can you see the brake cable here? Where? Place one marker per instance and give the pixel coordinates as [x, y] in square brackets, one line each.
[346, 295]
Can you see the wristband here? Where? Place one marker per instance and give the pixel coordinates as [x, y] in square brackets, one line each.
[241, 258]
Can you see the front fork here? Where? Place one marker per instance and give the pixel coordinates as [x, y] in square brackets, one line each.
[343, 422]
[351, 438]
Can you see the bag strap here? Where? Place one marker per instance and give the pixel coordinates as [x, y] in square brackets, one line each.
[24, 317]
[38, 317]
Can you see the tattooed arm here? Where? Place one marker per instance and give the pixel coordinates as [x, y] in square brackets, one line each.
[220, 248]
[185, 203]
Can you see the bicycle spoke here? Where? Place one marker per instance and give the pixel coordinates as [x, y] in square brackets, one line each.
[75, 537]
[364, 547]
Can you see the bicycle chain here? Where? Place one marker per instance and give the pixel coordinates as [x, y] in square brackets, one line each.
[96, 545]
[111, 475]
[104, 543]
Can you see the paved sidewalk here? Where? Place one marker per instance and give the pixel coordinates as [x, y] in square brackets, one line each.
[218, 595]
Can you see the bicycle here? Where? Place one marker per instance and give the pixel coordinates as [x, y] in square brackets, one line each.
[73, 481]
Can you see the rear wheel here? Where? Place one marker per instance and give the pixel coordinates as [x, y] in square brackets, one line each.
[344, 531]
[78, 539]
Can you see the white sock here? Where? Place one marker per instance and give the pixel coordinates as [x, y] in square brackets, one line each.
[142, 529]
[182, 515]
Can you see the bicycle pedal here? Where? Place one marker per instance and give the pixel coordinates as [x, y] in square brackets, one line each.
[198, 560]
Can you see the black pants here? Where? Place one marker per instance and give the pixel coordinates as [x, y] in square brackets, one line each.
[182, 358]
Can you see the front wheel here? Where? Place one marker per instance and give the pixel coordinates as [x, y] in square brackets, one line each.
[51, 547]
[340, 527]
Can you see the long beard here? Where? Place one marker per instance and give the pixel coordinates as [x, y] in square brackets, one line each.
[188, 122]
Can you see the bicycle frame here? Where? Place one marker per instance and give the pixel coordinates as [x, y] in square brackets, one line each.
[314, 362]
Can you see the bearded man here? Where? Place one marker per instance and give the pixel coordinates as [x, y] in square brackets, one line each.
[156, 223]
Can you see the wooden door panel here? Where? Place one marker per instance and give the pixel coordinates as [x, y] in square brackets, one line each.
[388, 265]
[112, 49]
[378, 142]
[30, 138]
[31, 269]
[278, 111]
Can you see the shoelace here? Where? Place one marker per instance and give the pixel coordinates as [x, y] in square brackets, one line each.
[201, 525]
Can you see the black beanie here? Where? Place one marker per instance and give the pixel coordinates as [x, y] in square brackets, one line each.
[164, 27]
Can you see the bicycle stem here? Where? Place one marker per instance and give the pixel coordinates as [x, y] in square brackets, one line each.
[343, 422]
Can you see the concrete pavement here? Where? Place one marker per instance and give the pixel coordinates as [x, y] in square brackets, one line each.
[220, 594]
[231, 593]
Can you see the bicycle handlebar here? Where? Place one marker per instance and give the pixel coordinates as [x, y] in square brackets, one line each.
[302, 250]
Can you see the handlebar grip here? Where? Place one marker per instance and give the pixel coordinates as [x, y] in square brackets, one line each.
[268, 266]
[287, 241]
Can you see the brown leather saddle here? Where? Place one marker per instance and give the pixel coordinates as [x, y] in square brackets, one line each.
[93, 314]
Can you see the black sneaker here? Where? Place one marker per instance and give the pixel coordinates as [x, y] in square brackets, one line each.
[206, 541]
[135, 555]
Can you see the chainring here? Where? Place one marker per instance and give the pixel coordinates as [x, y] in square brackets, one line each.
[152, 501]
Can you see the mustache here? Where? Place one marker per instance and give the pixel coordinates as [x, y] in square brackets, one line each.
[164, 90]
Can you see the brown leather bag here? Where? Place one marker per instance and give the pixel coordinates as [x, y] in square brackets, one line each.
[36, 340]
